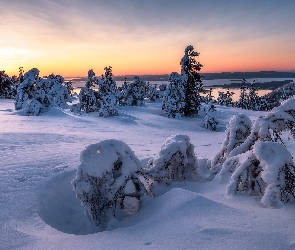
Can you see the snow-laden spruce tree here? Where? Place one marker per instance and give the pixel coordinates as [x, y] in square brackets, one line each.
[107, 94]
[193, 84]
[248, 167]
[107, 183]
[174, 97]
[26, 93]
[237, 131]
[210, 120]
[175, 162]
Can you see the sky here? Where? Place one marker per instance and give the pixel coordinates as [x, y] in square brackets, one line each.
[69, 37]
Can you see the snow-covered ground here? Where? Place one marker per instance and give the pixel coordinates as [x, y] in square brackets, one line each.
[39, 156]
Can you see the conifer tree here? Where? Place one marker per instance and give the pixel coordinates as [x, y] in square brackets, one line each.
[210, 120]
[193, 84]
[107, 94]
[174, 98]
[243, 101]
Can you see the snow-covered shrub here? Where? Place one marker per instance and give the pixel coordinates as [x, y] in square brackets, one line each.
[174, 97]
[193, 86]
[210, 120]
[251, 170]
[106, 182]
[237, 131]
[278, 173]
[107, 94]
[175, 162]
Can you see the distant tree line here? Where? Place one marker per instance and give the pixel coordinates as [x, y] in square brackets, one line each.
[183, 96]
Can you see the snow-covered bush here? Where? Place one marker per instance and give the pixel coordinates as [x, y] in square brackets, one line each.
[107, 94]
[106, 182]
[175, 162]
[210, 120]
[251, 171]
[174, 97]
[237, 131]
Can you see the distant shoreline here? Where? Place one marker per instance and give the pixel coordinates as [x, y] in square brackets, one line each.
[207, 76]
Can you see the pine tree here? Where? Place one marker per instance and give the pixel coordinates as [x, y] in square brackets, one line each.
[193, 84]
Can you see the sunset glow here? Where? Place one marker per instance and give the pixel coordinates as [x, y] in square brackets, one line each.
[145, 37]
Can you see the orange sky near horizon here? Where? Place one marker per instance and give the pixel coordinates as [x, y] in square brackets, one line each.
[146, 37]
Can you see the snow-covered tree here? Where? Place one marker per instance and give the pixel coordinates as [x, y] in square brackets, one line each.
[210, 120]
[248, 167]
[153, 93]
[107, 94]
[193, 84]
[162, 89]
[221, 98]
[87, 96]
[175, 162]
[208, 98]
[274, 98]
[51, 91]
[174, 97]
[25, 91]
[7, 86]
[243, 100]
[237, 131]
[107, 183]
[225, 99]
[254, 99]
[135, 92]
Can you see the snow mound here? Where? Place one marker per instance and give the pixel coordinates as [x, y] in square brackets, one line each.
[60, 209]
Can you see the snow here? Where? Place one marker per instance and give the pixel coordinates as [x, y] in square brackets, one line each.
[40, 156]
